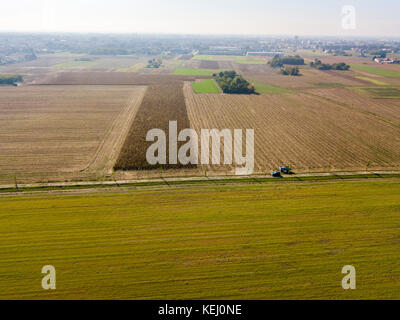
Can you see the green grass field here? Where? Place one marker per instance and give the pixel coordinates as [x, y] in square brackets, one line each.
[205, 86]
[268, 88]
[194, 72]
[376, 70]
[267, 241]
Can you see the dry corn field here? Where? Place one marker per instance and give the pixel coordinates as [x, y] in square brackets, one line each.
[307, 132]
[161, 104]
[62, 132]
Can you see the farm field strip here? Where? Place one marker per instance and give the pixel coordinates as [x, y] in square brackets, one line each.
[383, 72]
[76, 64]
[374, 81]
[253, 244]
[207, 64]
[309, 79]
[206, 86]
[108, 153]
[306, 132]
[194, 72]
[268, 88]
[379, 92]
[134, 68]
[53, 132]
[251, 60]
[112, 78]
[214, 57]
[387, 109]
[161, 104]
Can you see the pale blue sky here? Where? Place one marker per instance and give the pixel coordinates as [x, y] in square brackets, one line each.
[265, 17]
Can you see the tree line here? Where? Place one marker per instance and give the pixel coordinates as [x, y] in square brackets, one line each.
[317, 64]
[279, 62]
[10, 79]
[290, 71]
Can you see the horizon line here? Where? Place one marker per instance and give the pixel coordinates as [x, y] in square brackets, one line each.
[44, 32]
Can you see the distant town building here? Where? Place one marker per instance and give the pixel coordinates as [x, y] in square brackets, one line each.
[387, 60]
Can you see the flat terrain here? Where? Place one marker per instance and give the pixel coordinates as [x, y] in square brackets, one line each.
[161, 104]
[361, 98]
[377, 70]
[321, 121]
[54, 132]
[307, 131]
[205, 242]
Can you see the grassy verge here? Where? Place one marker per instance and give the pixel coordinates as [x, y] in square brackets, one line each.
[223, 181]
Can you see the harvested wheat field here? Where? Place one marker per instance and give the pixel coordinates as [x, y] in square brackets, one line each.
[309, 78]
[304, 131]
[62, 132]
[161, 104]
[384, 109]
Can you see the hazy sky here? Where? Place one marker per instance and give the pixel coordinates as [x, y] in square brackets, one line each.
[265, 17]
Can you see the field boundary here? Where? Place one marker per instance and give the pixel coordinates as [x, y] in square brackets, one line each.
[256, 179]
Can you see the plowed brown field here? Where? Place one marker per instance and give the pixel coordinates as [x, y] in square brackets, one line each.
[388, 109]
[205, 64]
[56, 133]
[307, 132]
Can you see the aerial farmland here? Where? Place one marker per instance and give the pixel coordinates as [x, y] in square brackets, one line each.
[321, 121]
[77, 188]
